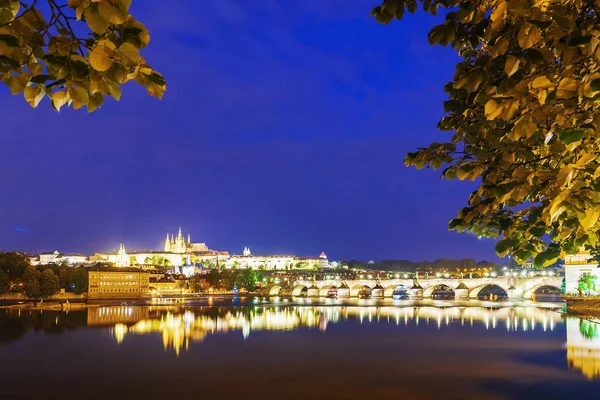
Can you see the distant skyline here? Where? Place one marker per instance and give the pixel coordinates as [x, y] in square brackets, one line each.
[284, 128]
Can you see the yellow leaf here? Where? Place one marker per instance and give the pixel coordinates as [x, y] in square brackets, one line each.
[79, 95]
[15, 84]
[590, 219]
[541, 82]
[100, 56]
[492, 109]
[33, 95]
[130, 52]
[542, 94]
[564, 176]
[111, 13]
[512, 65]
[144, 36]
[114, 90]
[523, 128]
[528, 35]
[59, 99]
[95, 21]
[96, 101]
[498, 16]
[567, 88]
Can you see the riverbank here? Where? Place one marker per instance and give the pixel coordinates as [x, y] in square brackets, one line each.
[583, 306]
[49, 305]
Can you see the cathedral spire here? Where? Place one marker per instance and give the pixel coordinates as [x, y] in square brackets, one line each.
[179, 234]
[189, 238]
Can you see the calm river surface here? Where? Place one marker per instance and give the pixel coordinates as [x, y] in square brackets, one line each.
[245, 348]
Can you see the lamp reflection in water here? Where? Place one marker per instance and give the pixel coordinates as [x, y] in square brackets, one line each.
[179, 325]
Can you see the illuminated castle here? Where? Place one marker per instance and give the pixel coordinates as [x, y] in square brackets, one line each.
[178, 244]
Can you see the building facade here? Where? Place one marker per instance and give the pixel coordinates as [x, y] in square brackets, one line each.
[56, 257]
[575, 266]
[107, 282]
[275, 261]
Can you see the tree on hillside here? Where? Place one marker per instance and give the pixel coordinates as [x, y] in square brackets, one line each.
[13, 263]
[73, 51]
[31, 282]
[48, 283]
[78, 280]
[522, 119]
[157, 260]
[4, 282]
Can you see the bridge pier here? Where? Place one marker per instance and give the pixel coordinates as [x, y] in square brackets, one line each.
[313, 291]
[515, 293]
[416, 292]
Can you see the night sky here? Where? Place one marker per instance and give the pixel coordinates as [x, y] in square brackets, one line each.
[284, 128]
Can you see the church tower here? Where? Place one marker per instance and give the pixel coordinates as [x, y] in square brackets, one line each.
[122, 257]
[167, 244]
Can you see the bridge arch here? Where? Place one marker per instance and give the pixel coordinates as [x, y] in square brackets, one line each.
[474, 293]
[430, 290]
[299, 290]
[324, 291]
[274, 290]
[354, 290]
[529, 294]
[389, 291]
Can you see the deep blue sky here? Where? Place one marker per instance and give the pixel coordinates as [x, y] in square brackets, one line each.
[284, 128]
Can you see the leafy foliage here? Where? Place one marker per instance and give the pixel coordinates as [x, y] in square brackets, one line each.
[31, 283]
[157, 260]
[523, 108]
[4, 282]
[41, 53]
[13, 263]
[48, 283]
[227, 279]
[587, 282]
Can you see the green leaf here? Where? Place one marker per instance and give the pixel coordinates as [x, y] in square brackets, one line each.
[571, 135]
[41, 78]
[548, 256]
[504, 245]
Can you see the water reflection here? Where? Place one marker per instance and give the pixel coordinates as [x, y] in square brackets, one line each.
[179, 325]
[583, 346]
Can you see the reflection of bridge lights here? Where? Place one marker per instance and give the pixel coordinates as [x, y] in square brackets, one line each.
[177, 330]
[120, 330]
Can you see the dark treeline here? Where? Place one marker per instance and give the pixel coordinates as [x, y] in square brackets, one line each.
[228, 279]
[442, 264]
[18, 276]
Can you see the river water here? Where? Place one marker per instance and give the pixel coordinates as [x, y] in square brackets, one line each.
[253, 348]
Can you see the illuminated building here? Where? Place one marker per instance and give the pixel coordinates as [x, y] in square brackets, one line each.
[122, 259]
[179, 246]
[56, 257]
[117, 282]
[575, 266]
[275, 261]
[165, 285]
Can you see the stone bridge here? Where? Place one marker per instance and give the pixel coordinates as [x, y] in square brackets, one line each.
[515, 287]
